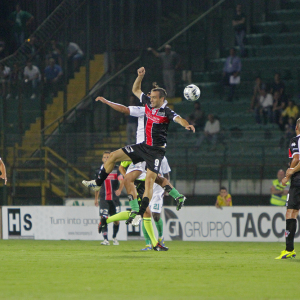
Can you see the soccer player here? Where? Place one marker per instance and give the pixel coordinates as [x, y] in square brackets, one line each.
[293, 197]
[3, 171]
[109, 201]
[152, 151]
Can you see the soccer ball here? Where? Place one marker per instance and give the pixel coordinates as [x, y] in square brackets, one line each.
[191, 92]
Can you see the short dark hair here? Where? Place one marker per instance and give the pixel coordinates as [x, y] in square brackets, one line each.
[106, 152]
[162, 92]
[223, 188]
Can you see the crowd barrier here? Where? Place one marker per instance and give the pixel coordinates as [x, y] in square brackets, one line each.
[197, 223]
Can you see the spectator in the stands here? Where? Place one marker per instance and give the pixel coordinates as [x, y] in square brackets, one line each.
[278, 106]
[291, 111]
[170, 63]
[278, 85]
[14, 84]
[197, 117]
[53, 74]
[75, 55]
[231, 73]
[20, 21]
[211, 132]
[223, 199]
[239, 26]
[56, 52]
[256, 93]
[4, 79]
[265, 107]
[32, 78]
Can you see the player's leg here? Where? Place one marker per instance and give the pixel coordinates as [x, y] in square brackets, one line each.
[104, 208]
[293, 204]
[148, 230]
[114, 208]
[114, 157]
[131, 190]
[155, 206]
[168, 187]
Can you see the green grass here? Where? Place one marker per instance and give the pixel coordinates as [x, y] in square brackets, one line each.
[189, 270]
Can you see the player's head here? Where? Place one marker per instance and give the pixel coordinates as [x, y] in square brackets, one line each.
[157, 97]
[280, 175]
[297, 129]
[105, 156]
[223, 191]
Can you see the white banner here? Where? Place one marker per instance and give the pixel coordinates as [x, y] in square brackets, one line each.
[240, 223]
[55, 223]
[201, 223]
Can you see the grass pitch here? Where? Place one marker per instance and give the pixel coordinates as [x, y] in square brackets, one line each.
[189, 270]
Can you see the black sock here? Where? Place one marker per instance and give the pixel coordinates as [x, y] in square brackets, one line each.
[290, 234]
[115, 230]
[102, 175]
[144, 205]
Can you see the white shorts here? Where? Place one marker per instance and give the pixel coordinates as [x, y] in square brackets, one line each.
[141, 166]
[156, 202]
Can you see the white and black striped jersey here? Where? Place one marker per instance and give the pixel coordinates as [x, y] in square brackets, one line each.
[295, 149]
[156, 122]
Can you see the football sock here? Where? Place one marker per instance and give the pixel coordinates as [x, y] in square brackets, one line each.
[134, 204]
[150, 230]
[146, 235]
[115, 230]
[159, 227]
[101, 177]
[174, 193]
[290, 234]
[122, 216]
[104, 232]
[144, 205]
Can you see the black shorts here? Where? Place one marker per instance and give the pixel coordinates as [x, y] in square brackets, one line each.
[109, 207]
[293, 198]
[152, 155]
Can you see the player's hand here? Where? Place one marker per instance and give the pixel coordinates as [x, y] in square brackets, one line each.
[141, 71]
[190, 127]
[118, 193]
[289, 172]
[102, 99]
[284, 181]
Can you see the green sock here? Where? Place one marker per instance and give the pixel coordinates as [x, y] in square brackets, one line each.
[150, 230]
[174, 193]
[134, 205]
[123, 215]
[159, 226]
[146, 235]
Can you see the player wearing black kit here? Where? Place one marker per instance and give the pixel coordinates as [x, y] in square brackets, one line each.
[109, 201]
[293, 197]
[152, 151]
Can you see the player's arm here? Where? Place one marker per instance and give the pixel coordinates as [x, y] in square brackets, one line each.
[184, 123]
[96, 198]
[116, 106]
[137, 85]
[122, 170]
[294, 167]
[3, 171]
